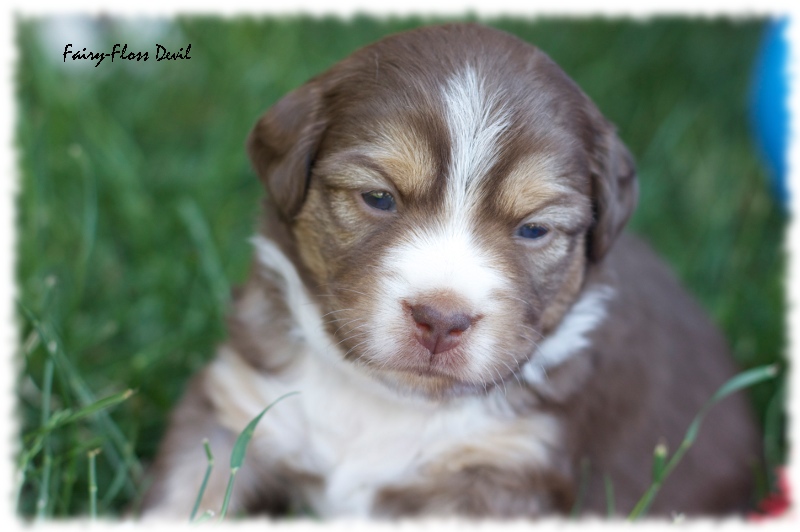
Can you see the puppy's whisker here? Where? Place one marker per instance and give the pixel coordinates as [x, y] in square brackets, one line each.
[348, 322]
[351, 337]
[358, 327]
[351, 290]
[336, 288]
[355, 346]
[536, 345]
[523, 301]
[337, 311]
[528, 327]
[511, 371]
[500, 379]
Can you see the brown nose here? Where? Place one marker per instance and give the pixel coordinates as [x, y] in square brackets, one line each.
[439, 330]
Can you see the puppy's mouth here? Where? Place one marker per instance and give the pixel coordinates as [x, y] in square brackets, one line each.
[431, 382]
[447, 368]
[436, 344]
[417, 361]
[415, 368]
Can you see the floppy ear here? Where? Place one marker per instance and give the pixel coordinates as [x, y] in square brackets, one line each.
[615, 190]
[282, 146]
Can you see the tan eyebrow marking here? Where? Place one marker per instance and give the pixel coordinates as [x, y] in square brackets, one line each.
[396, 156]
[536, 185]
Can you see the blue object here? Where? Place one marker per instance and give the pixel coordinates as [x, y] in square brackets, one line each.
[770, 105]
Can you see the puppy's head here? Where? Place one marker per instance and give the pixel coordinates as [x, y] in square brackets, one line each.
[445, 190]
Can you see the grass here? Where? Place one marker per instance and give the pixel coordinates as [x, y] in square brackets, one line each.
[137, 201]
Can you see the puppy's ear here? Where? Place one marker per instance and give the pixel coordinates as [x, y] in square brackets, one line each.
[615, 189]
[282, 146]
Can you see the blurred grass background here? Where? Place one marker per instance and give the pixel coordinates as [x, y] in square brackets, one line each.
[137, 201]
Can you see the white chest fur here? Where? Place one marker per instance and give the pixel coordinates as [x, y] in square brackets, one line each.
[359, 438]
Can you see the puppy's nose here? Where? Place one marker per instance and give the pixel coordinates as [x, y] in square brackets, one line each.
[437, 329]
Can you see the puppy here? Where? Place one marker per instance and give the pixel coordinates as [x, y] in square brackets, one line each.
[439, 273]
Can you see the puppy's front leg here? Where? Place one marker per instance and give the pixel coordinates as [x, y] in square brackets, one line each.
[181, 464]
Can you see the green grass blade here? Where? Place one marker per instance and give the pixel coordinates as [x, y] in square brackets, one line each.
[611, 507]
[97, 406]
[209, 467]
[744, 380]
[644, 503]
[47, 389]
[93, 484]
[659, 473]
[240, 449]
[659, 462]
[44, 486]
[577, 507]
[65, 417]
[773, 431]
[67, 485]
[228, 493]
[739, 382]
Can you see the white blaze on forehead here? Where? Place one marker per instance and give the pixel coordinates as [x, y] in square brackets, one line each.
[476, 120]
[443, 254]
[444, 257]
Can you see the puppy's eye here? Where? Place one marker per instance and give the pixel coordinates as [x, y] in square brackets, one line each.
[379, 199]
[532, 231]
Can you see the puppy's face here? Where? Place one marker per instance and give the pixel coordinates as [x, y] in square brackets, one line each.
[445, 189]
